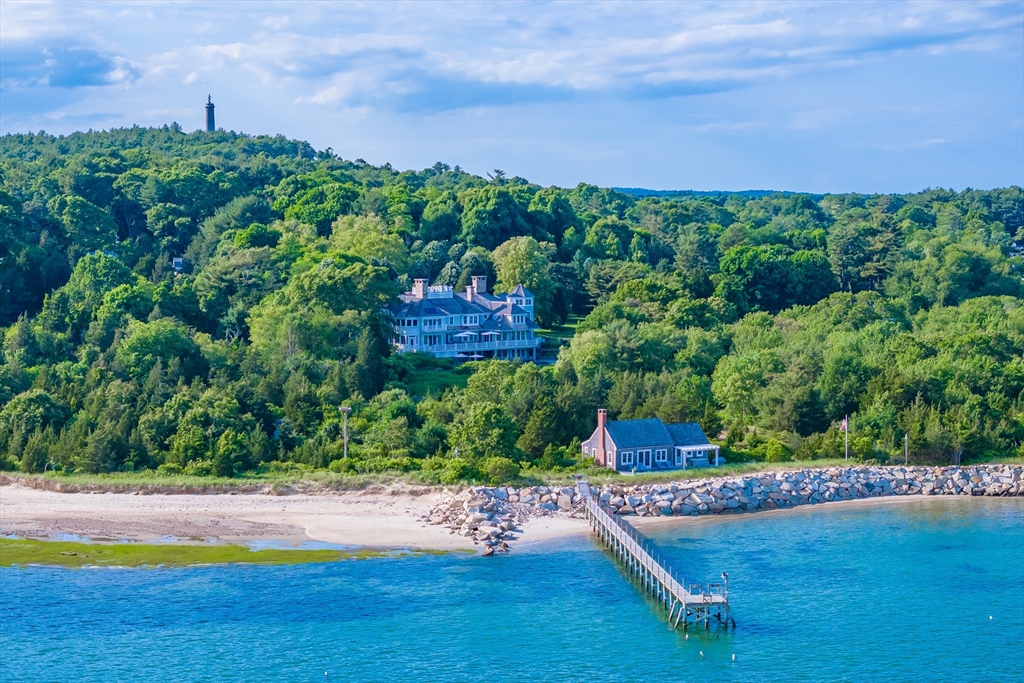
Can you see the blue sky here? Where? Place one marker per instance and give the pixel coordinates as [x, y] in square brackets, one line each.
[807, 96]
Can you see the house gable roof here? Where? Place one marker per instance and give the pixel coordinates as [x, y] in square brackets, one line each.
[687, 434]
[638, 433]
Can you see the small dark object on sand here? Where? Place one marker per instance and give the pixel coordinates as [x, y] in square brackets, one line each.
[488, 552]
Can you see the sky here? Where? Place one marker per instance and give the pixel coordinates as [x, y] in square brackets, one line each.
[801, 96]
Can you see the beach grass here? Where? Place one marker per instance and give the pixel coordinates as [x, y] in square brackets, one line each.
[599, 476]
[21, 552]
[313, 481]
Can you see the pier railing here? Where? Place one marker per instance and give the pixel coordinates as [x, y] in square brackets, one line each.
[701, 602]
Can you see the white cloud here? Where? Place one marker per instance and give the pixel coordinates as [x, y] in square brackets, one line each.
[276, 23]
[340, 53]
[601, 75]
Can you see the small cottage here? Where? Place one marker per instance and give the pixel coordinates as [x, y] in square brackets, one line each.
[650, 444]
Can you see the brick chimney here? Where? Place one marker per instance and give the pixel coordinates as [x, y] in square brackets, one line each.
[419, 288]
[602, 420]
[479, 284]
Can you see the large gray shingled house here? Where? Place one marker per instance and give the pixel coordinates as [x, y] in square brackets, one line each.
[650, 444]
[469, 325]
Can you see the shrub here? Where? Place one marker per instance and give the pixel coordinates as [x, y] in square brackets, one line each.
[342, 466]
[434, 463]
[284, 467]
[500, 470]
[382, 464]
[199, 468]
[776, 451]
[169, 468]
[456, 470]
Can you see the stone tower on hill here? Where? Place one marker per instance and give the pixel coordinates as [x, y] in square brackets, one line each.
[210, 124]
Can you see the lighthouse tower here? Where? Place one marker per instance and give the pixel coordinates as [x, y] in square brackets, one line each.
[210, 125]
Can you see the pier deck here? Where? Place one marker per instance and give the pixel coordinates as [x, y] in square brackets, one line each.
[695, 603]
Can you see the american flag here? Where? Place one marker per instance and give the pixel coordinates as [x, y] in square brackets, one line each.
[843, 427]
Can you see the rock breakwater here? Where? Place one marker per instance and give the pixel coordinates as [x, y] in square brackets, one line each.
[493, 514]
[772, 490]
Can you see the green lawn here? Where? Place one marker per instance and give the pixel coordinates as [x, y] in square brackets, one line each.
[67, 554]
[434, 381]
[559, 332]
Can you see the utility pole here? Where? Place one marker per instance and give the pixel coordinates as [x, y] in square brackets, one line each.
[846, 432]
[345, 410]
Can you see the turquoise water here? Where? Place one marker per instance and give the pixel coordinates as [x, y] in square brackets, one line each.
[896, 592]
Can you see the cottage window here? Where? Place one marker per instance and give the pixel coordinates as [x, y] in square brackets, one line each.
[627, 458]
[661, 455]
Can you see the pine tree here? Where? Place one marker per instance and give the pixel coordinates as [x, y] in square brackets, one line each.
[369, 364]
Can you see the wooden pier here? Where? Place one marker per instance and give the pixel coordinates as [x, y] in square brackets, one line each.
[695, 604]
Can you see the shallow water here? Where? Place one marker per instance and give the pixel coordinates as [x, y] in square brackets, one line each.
[898, 592]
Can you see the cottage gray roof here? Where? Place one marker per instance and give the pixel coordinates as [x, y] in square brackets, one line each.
[653, 432]
[687, 434]
[638, 433]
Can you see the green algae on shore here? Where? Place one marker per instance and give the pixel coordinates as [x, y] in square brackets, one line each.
[23, 552]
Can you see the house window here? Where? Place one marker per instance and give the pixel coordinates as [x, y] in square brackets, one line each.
[661, 455]
[529, 302]
[627, 458]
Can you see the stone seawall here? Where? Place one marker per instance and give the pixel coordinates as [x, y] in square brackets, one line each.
[772, 490]
[493, 513]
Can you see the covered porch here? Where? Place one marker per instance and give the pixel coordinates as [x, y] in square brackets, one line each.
[704, 455]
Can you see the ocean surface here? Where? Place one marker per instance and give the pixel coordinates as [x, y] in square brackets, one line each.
[915, 590]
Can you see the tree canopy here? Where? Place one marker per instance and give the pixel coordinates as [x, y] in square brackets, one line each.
[205, 302]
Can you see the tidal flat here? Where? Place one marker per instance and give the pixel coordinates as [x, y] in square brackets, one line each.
[24, 552]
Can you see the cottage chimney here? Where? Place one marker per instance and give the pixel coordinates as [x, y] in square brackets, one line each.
[419, 288]
[602, 419]
[479, 284]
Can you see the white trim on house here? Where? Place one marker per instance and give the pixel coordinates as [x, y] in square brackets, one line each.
[466, 326]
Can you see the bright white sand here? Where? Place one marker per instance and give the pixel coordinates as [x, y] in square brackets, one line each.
[361, 519]
[377, 519]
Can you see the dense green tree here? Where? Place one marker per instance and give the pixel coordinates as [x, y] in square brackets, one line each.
[492, 215]
[520, 261]
[484, 432]
[773, 315]
[163, 340]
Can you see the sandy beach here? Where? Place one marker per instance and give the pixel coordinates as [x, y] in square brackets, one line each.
[390, 519]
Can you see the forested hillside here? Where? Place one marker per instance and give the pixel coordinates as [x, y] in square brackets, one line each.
[765, 318]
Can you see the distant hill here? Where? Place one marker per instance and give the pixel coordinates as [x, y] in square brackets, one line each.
[644, 192]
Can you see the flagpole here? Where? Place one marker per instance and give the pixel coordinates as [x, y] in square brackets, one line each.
[846, 431]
